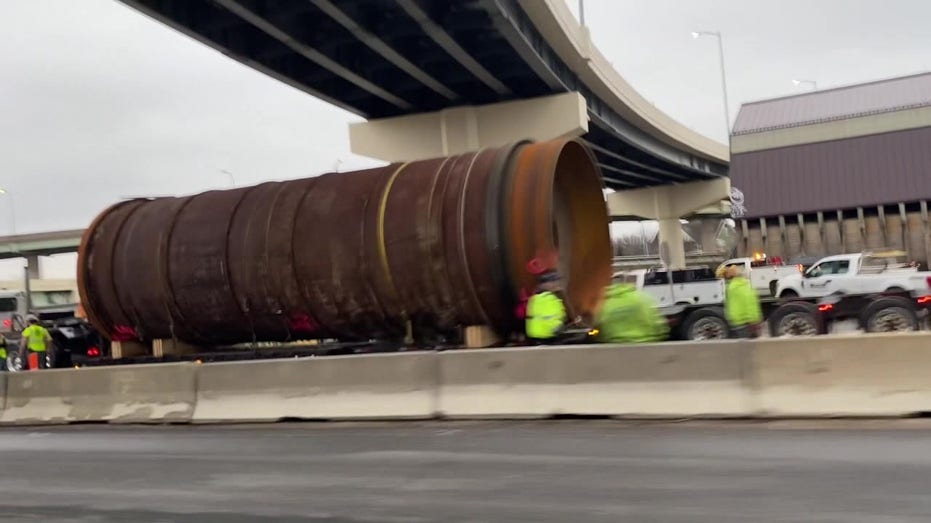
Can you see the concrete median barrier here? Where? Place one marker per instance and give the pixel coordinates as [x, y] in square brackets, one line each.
[856, 375]
[381, 386]
[126, 394]
[667, 380]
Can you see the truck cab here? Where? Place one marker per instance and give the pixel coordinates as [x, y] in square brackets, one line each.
[870, 272]
[763, 272]
[13, 311]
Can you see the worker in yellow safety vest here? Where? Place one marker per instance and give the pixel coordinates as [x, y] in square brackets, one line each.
[546, 312]
[37, 340]
[3, 353]
[629, 315]
[741, 305]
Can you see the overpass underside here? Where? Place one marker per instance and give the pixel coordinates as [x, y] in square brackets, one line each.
[392, 61]
[388, 58]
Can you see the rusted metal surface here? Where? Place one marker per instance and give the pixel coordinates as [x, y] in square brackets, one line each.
[423, 248]
[250, 270]
[140, 270]
[95, 268]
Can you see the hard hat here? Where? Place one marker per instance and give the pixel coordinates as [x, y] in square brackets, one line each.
[32, 318]
[732, 271]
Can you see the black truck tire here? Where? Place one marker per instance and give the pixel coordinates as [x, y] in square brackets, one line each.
[796, 318]
[707, 323]
[889, 314]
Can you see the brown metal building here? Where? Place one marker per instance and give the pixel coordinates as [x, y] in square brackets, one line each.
[835, 171]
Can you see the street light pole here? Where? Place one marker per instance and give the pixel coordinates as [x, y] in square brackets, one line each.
[582, 12]
[727, 110]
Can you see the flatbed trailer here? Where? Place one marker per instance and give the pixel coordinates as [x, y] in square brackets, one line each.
[885, 312]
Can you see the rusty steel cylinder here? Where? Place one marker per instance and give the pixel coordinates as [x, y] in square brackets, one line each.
[420, 248]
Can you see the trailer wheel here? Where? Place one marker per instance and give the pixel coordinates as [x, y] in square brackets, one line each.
[795, 319]
[890, 314]
[14, 360]
[707, 323]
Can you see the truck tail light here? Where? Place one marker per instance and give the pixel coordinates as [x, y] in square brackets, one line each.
[8, 323]
[93, 352]
[928, 281]
[924, 300]
[827, 307]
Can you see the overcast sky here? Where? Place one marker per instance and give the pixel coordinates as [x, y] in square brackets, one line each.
[100, 102]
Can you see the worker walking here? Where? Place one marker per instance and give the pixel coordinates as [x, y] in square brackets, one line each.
[546, 312]
[37, 340]
[629, 315]
[3, 353]
[741, 305]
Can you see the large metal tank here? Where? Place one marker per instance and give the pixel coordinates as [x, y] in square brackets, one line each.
[427, 246]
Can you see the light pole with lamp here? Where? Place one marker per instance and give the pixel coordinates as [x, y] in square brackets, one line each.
[727, 110]
[812, 83]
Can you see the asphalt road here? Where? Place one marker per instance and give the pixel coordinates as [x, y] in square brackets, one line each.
[568, 471]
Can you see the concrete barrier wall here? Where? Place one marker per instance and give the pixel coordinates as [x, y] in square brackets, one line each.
[125, 394]
[338, 387]
[858, 375]
[676, 379]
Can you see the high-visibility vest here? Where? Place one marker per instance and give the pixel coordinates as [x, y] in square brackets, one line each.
[629, 315]
[741, 303]
[546, 313]
[35, 336]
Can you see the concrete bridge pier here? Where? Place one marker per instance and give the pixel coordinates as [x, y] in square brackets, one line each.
[460, 130]
[32, 267]
[668, 204]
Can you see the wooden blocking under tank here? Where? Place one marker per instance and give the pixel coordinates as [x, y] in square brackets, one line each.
[480, 336]
[128, 349]
[168, 347]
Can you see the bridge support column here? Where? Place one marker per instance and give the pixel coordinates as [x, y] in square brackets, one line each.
[463, 129]
[668, 204]
[32, 267]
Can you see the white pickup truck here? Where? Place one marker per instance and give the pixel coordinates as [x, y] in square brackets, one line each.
[866, 273]
[762, 275]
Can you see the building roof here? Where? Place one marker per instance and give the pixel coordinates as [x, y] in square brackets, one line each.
[880, 96]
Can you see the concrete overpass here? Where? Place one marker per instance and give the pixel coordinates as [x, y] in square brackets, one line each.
[32, 246]
[434, 77]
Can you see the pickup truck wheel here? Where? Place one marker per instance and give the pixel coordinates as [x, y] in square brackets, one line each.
[795, 319]
[892, 314]
[706, 324]
[788, 294]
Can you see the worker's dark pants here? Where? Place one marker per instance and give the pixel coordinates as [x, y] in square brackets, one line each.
[745, 332]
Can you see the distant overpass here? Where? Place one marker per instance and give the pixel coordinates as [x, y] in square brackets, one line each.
[32, 246]
[40, 244]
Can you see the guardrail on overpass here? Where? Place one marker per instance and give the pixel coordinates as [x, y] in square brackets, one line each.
[861, 375]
